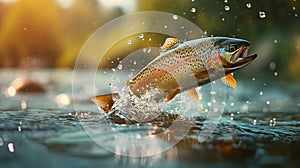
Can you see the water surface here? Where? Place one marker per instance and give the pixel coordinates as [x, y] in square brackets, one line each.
[259, 128]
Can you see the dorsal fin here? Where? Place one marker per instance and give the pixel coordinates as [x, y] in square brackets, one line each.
[169, 43]
[105, 101]
[229, 81]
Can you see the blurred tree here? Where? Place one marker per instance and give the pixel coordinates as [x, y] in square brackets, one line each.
[80, 21]
[30, 34]
[3, 8]
[295, 61]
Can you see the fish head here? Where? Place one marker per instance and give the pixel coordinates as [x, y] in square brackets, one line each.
[233, 53]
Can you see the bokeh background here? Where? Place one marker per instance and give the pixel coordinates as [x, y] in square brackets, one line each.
[50, 33]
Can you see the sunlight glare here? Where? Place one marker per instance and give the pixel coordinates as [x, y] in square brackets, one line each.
[65, 3]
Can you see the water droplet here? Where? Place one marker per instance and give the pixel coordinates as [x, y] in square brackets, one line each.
[261, 93]
[254, 122]
[19, 128]
[11, 91]
[272, 66]
[150, 39]
[1, 142]
[225, 1]
[23, 104]
[248, 5]
[141, 36]
[265, 109]
[193, 0]
[227, 8]
[294, 8]
[113, 69]
[262, 14]
[129, 42]
[232, 104]
[165, 26]
[134, 62]
[11, 147]
[175, 17]
[209, 104]
[120, 66]
[275, 41]
[223, 19]
[268, 102]
[275, 73]
[253, 79]
[193, 10]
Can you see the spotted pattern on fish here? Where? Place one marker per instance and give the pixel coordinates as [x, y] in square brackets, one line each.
[173, 68]
[183, 66]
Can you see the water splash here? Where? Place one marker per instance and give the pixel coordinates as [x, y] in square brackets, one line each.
[138, 109]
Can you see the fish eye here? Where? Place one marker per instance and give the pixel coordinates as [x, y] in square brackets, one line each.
[232, 47]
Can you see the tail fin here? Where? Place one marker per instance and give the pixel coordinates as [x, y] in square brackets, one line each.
[105, 101]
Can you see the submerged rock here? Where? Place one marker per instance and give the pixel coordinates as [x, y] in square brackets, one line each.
[25, 85]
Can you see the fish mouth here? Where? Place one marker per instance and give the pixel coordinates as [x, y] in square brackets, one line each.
[241, 60]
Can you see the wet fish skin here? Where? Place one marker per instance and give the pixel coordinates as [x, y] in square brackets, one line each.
[183, 66]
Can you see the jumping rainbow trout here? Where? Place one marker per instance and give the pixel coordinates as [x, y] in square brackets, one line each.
[183, 66]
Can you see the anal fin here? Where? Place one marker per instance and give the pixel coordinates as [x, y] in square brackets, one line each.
[194, 95]
[105, 102]
[172, 94]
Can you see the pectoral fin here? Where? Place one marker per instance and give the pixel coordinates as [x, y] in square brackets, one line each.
[172, 94]
[105, 101]
[194, 95]
[229, 81]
